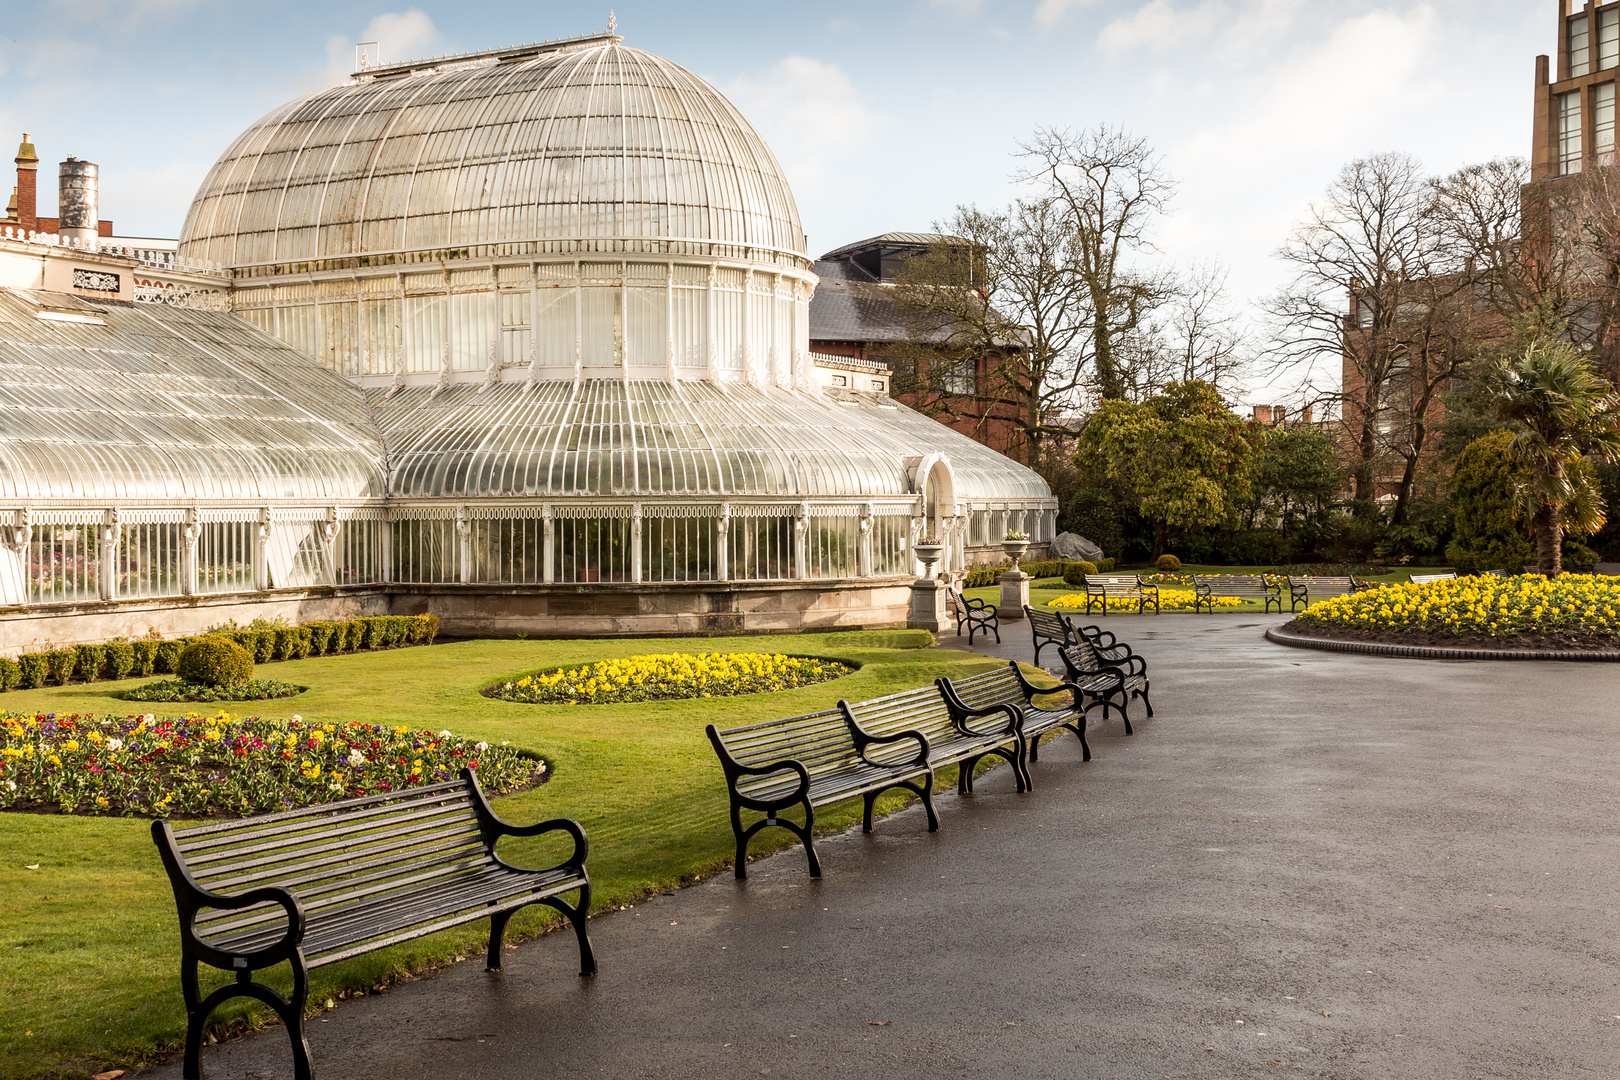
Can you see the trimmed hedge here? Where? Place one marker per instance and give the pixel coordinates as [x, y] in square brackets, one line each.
[1076, 573]
[124, 659]
[1169, 564]
[215, 661]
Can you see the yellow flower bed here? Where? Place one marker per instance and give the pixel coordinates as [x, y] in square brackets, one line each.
[671, 676]
[1169, 600]
[1497, 607]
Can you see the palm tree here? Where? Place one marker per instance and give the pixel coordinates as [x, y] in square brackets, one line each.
[1564, 411]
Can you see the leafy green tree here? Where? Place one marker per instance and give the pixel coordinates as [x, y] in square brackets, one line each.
[1296, 484]
[1484, 493]
[1183, 456]
[1564, 411]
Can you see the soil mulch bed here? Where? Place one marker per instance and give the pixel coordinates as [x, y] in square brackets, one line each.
[1428, 639]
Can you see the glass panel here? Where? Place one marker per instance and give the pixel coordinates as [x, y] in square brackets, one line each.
[728, 327]
[554, 322]
[889, 537]
[1603, 123]
[64, 563]
[380, 325]
[297, 555]
[359, 553]
[593, 549]
[1580, 55]
[508, 550]
[602, 332]
[760, 548]
[297, 328]
[1608, 39]
[832, 547]
[149, 560]
[425, 552]
[1569, 133]
[691, 328]
[647, 326]
[225, 557]
[678, 549]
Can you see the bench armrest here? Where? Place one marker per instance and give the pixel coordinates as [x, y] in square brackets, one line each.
[191, 897]
[1030, 690]
[864, 739]
[975, 604]
[495, 827]
[1015, 719]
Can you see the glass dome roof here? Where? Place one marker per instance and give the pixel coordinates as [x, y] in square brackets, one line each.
[607, 438]
[597, 142]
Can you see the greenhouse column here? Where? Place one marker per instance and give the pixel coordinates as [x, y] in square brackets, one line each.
[261, 544]
[548, 545]
[387, 574]
[864, 555]
[14, 559]
[635, 543]
[188, 553]
[464, 545]
[801, 541]
[722, 544]
[108, 585]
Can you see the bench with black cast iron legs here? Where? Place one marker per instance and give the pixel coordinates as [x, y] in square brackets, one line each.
[1048, 628]
[809, 761]
[1238, 586]
[1006, 688]
[1100, 589]
[923, 716]
[976, 615]
[1109, 683]
[1311, 588]
[317, 885]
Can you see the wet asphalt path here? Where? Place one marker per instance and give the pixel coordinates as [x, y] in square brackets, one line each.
[1308, 864]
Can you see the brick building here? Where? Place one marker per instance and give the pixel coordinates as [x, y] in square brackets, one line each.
[854, 314]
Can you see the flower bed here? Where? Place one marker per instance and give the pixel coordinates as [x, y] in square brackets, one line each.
[1574, 607]
[180, 690]
[1169, 600]
[669, 677]
[224, 765]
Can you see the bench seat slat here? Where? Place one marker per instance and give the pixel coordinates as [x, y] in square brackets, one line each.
[228, 862]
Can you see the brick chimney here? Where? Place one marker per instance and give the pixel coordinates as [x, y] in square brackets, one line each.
[27, 184]
[1262, 415]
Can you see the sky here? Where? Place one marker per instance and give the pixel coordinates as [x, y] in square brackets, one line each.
[886, 114]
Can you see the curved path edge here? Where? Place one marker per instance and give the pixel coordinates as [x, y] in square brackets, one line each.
[1430, 652]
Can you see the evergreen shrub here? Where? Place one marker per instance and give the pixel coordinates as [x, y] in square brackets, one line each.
[120, 659]
[215, 660]
[34, 668]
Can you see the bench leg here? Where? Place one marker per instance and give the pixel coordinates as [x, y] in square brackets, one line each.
[577, 914]
[1079, 729]
[497, 930]
[1143, 694]
[289, 1009]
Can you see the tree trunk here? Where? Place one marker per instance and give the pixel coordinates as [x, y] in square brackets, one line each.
[1159, 532]
[1548, 525]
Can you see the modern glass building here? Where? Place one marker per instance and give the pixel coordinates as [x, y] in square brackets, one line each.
[519, 337]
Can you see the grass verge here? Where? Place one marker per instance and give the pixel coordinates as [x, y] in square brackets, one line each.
[89, 954]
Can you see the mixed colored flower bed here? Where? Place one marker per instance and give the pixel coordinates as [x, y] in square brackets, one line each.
[671, 676]
[180, 690]
[1169, 600]
[200, 766]
[1578, 605]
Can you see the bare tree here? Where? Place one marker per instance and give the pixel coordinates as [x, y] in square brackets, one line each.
[1194, 336]
[1114, 189]
[1381, 295]
[997, 322]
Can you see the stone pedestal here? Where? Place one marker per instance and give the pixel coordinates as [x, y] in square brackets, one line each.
[928, 606]
[1014, 595]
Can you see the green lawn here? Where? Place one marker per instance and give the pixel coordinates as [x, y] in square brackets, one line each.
[89, 950]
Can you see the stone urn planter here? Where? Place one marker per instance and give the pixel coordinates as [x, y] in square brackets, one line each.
[1015, 550]
[928, 554]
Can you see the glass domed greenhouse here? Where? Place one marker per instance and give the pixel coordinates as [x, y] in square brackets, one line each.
[517, 337]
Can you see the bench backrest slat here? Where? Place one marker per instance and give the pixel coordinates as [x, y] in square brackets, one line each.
[820, 741]
[1049, 624]
[922, 709]
[988, 689]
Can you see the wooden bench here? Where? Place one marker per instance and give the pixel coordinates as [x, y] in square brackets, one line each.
[1309, 588]
[1006, 688]
[1106, 683]
[923, 715]
[976, 615]
[1048, 628]
[1101, 588]
[810, 761]
[1424, 579]
[325, 883]
[1242, 586]
[1494, 573]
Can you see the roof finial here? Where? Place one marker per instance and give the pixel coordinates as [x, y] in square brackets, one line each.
[613, 22]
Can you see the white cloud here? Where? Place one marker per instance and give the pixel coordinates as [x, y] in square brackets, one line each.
[400, 35]
[810, 114]
[1160, 26]
[1051, 12]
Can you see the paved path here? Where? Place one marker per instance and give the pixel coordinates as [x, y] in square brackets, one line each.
[1309, 864]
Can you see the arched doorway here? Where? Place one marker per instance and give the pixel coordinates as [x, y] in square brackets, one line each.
[936, 483]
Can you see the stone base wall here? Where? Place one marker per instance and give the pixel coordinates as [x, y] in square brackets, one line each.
[488, 611]
[35, 629]
[994, 556]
